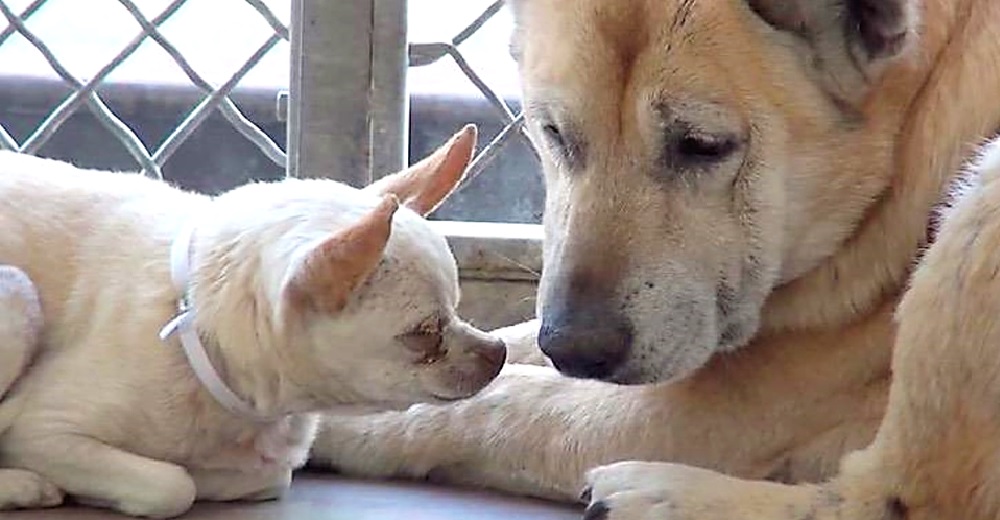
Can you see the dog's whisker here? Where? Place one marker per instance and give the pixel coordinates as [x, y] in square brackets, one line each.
[520, 265]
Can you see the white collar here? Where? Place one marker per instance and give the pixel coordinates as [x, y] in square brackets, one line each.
[183, 324]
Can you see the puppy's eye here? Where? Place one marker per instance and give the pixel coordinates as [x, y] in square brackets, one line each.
[427, 345]
[706, 147]
[426, 340]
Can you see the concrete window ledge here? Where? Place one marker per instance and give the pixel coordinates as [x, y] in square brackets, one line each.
[499, 266]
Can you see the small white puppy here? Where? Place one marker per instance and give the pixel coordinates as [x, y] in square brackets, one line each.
[275, 301]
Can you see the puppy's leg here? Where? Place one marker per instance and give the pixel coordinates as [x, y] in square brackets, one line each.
[24, 489]
[937, 452]
[20, 324]
[97, 474]
[225, 486]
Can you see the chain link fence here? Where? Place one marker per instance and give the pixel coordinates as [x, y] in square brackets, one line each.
[422, 54]
[383, 87]
[84, 92]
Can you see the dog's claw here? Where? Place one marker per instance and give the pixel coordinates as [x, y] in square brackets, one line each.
[596, 511]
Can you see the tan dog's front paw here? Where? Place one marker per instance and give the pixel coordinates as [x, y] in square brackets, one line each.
[631, 491]
[658, 491]
[20, 489]
[632, 505]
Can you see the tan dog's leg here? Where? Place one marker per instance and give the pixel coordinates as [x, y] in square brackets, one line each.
[522, 343]
[535, 432]
[20, 324]
[97, 474]
[24, 489]
[495, 439]
[937, 453]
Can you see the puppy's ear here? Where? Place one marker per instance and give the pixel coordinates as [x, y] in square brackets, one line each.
[331, 272]
[425, 185]
[850, 40]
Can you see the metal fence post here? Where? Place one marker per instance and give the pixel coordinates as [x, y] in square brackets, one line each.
[339, 126]
[389, 100]
[330, 81]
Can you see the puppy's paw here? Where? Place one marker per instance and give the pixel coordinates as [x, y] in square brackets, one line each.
[20, 489]
[657, 491]
[266, 495]
[173, 496]
[274, 490]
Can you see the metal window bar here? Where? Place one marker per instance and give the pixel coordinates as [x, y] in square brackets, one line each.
[340, 100]
[84, 93]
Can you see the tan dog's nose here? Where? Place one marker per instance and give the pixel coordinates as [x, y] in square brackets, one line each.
[584, 342]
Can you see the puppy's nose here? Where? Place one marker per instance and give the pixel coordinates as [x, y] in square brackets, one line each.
[490, 354]
[494, 351]
[585, 344]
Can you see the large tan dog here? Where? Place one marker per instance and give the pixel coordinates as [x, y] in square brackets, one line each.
[303, 296]
[738, 191]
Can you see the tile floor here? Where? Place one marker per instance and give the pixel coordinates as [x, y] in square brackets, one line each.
[328, 497]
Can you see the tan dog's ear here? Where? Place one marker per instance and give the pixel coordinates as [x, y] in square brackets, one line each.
[851, 40]
[425, 185]
[515, 44]
[332, 271]
[873, 29]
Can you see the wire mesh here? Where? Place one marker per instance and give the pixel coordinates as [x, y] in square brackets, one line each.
[85, 92]
[426, 53]
[217, 97]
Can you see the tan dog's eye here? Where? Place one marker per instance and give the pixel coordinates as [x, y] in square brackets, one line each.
[553, 133]
[565, 143]
[706, 146]
[695, 147]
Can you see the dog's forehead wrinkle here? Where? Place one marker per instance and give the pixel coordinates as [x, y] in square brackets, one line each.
[682, 15]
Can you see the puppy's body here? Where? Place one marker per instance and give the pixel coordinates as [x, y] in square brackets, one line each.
[286, 304]
[97, 247]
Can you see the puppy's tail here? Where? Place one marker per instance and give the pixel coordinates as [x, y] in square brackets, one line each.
[20, 325]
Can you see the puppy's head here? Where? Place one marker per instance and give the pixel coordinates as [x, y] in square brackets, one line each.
[375, 301]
